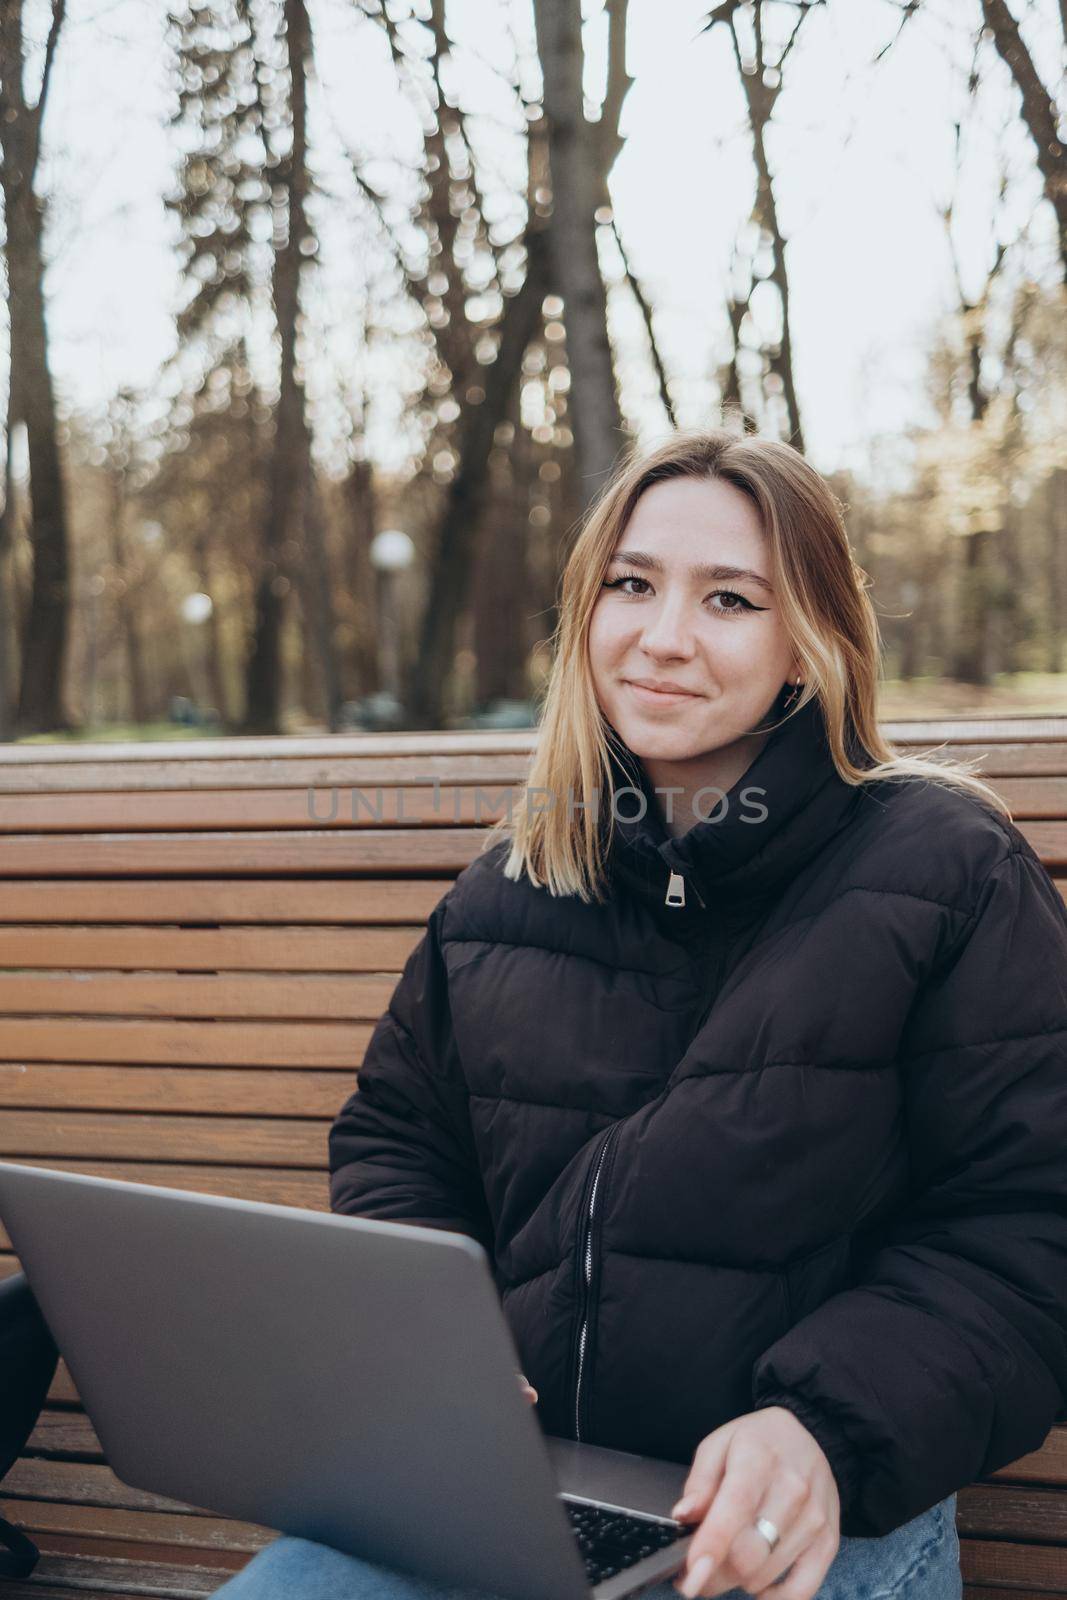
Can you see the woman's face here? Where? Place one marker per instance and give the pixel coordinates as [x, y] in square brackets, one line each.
[716, 634]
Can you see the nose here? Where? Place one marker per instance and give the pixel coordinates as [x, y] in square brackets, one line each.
[667, 629]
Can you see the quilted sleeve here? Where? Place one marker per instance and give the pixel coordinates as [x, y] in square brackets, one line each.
[401, 1148]
[946, 1357]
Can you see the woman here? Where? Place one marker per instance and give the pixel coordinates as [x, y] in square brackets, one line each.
[751, 1077]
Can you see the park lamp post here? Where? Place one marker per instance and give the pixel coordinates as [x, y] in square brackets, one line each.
[391, 552]
[195, 610]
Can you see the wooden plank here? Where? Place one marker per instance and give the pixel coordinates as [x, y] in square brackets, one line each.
[230, 1141]
[353, 851]
[126, 1556]
[61, 1391]
[210, 901]
[65, 1433]
[1000, 1563]
[83, 1483]
[34, 1589]
[404, 851]
[357, 807]
[995, 1511]
[275, 1093]
[298, 772]
[281, 1187]
[973, 1591]
[318, 950]
[1040, 758]
[1047, 1465]
[354, 807]
[59, 1577]
[459, 741]
[281, 995]
[1012, 757]
[208, 1044]
[1033, 797]
[173, 1529]
[977, 727]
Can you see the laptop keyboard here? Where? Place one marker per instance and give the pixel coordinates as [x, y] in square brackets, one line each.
[611, 1541]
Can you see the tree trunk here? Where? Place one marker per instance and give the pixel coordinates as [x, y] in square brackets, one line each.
[46, 637]
[760, 104]
[1056, 567]
[456, 546]
[290, 460]
[501, 593]
[973, 644]
[575, 266]
[359, 524]
[1039, 111]
[128, 601]
[8, 677]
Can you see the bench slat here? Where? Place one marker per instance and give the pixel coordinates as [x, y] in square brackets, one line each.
[212, 900]
[355, 807]
[206, 1533]
[404, 851]
[337, 805]
[319, 950]
[162, 1043]
[277, 1142]
[154, 1569]
[1000, 1563]
[494, 769]
[312, 996]
[350, 850]
[83, 1483]
[222, 1091]
[289, 1187]
[1001, 1511]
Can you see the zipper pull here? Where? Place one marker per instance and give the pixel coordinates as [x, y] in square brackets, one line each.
[675, 890]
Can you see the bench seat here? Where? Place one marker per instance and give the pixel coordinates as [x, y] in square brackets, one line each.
[196, 941]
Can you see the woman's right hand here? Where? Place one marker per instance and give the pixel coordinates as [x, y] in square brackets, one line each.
[528, 1390]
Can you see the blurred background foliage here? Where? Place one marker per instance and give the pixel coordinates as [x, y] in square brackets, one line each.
[440, 334]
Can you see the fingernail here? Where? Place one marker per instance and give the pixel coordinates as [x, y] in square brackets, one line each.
[686, 1504]
[698, 1575]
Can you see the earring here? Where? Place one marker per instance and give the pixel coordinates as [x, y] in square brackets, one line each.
[794, 695]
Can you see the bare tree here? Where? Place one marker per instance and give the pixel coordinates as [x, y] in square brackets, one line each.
[291, 502]
[577, 191]
[32, 398]
[762, 76]
[1039, 109]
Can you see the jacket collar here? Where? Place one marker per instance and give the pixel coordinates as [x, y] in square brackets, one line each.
[778, 815]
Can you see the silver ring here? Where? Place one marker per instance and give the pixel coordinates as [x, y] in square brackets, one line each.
[765, 1526]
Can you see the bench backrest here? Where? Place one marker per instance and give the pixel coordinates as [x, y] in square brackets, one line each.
[196, 940]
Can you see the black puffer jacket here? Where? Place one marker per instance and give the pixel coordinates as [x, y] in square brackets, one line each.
[801, 1142]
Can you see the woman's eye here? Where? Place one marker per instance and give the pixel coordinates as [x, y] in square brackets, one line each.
[737, 605]
[741, 603]
[628, 577]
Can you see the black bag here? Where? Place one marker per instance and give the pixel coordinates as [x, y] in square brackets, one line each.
[28, 1358]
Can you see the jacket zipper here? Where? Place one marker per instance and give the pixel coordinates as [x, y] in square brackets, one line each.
[586, 1254]
[676, 890]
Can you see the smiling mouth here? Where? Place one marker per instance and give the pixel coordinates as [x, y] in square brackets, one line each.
[666, 696]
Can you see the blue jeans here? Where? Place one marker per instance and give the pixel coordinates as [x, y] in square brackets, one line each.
[919, 1561]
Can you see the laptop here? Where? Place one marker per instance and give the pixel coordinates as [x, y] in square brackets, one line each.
[341, 1379]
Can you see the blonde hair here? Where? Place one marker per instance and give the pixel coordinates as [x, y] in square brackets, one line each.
[827, 613]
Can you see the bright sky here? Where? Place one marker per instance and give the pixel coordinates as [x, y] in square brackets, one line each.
[863, 157]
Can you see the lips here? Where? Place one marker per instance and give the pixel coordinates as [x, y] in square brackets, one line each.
[659, 696]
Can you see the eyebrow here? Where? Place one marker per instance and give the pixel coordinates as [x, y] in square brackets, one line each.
[704, 574]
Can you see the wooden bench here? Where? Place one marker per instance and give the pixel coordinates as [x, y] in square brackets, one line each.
[195, 943]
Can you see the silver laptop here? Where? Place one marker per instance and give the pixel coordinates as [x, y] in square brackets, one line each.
[345, 1380]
